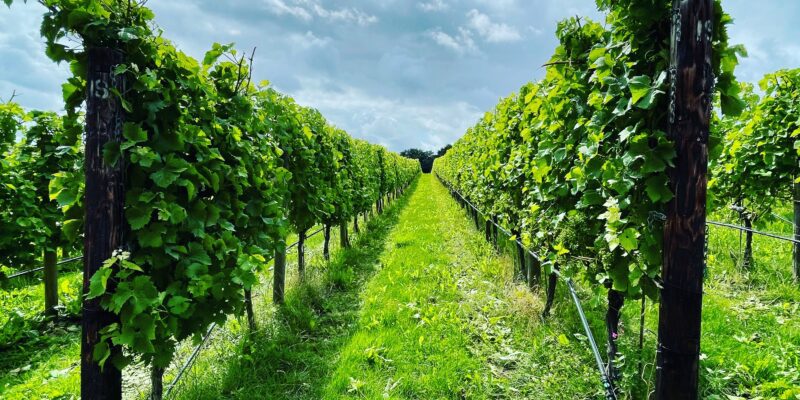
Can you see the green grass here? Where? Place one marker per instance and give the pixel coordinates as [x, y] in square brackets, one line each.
[423, 308]
[296, 346]
[38, 354]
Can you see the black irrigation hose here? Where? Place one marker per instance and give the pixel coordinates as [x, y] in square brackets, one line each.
[199, 347]
[190, 361]
[307, 237]
[745, 229]
[30, 271]
[607, 385]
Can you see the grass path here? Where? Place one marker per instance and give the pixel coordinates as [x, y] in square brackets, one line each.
[433, 325]
[422, 307]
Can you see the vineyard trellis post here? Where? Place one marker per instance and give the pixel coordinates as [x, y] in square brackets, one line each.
[50, 279]
[691, 93]
[796, 247]
[105, 219]
[279, 274]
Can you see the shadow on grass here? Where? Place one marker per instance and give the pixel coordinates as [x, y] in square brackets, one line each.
[292, 356]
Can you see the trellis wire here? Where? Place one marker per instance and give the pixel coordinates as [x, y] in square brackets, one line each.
[30, 271]
[745, 229]
[190, 361]
[609, 388]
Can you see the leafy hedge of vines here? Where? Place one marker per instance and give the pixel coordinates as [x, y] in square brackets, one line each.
[576, 162]
[217, 171]
[761, 156]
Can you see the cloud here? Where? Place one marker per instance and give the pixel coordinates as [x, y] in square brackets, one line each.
[308, 40]
[389, 121]
[306, 10]
[279, 7]
[423, 73]
[461, 43]
[433, 5]
[490, 31]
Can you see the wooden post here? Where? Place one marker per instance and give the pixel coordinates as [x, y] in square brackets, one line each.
[344, 238]
[747, 258]
[157, 383]
[301, 254]
[50, 281]
[552, 281]
[248, 306]
[796, 247]
[279, 275]
[326, 245]
[534, 273]
[615, 302]
[105, 218]
[684, 230]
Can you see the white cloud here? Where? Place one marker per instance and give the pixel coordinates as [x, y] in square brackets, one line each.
[492, 32]
[308, 9]
[504, 5]
[279, 7]
[433, 5]
[461, 43]
[308, 40]
[395, 123]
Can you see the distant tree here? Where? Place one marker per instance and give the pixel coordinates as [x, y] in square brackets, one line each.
[425, 157]
[416, 154]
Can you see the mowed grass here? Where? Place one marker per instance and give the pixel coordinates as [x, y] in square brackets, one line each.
[412, 340]
[39, 355]
[442, 318]
[422, 307]
[296, 346]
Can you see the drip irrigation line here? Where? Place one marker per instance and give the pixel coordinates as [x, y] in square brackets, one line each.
[745, 229]
[607, 385]
[200, 346]
[307, 237]
[778, 216]
[30, 271]
[190, 361]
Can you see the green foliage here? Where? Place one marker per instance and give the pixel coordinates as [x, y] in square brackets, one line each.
[576, 163]
[38, 195]
[759, 163]
[216, 169]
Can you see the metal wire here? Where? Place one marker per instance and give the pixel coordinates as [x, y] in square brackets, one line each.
[199, 347]
[307, 237]
[745, 229]
[607, 385]
[30, 271]
[190, 361]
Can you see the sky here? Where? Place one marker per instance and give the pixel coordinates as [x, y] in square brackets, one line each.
[401, 73]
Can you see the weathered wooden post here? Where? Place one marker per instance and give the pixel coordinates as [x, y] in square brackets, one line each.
[344, 237]
[105, 218]
[248, 307]
[326, 244]
[692, 78]
[279, 274]
[301, 255]
[50, 280]
[796, 247]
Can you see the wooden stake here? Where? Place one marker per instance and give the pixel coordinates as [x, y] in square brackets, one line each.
[796, 247]
[50, 282]
[684, 230]
[279, 276]
[105, 218]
